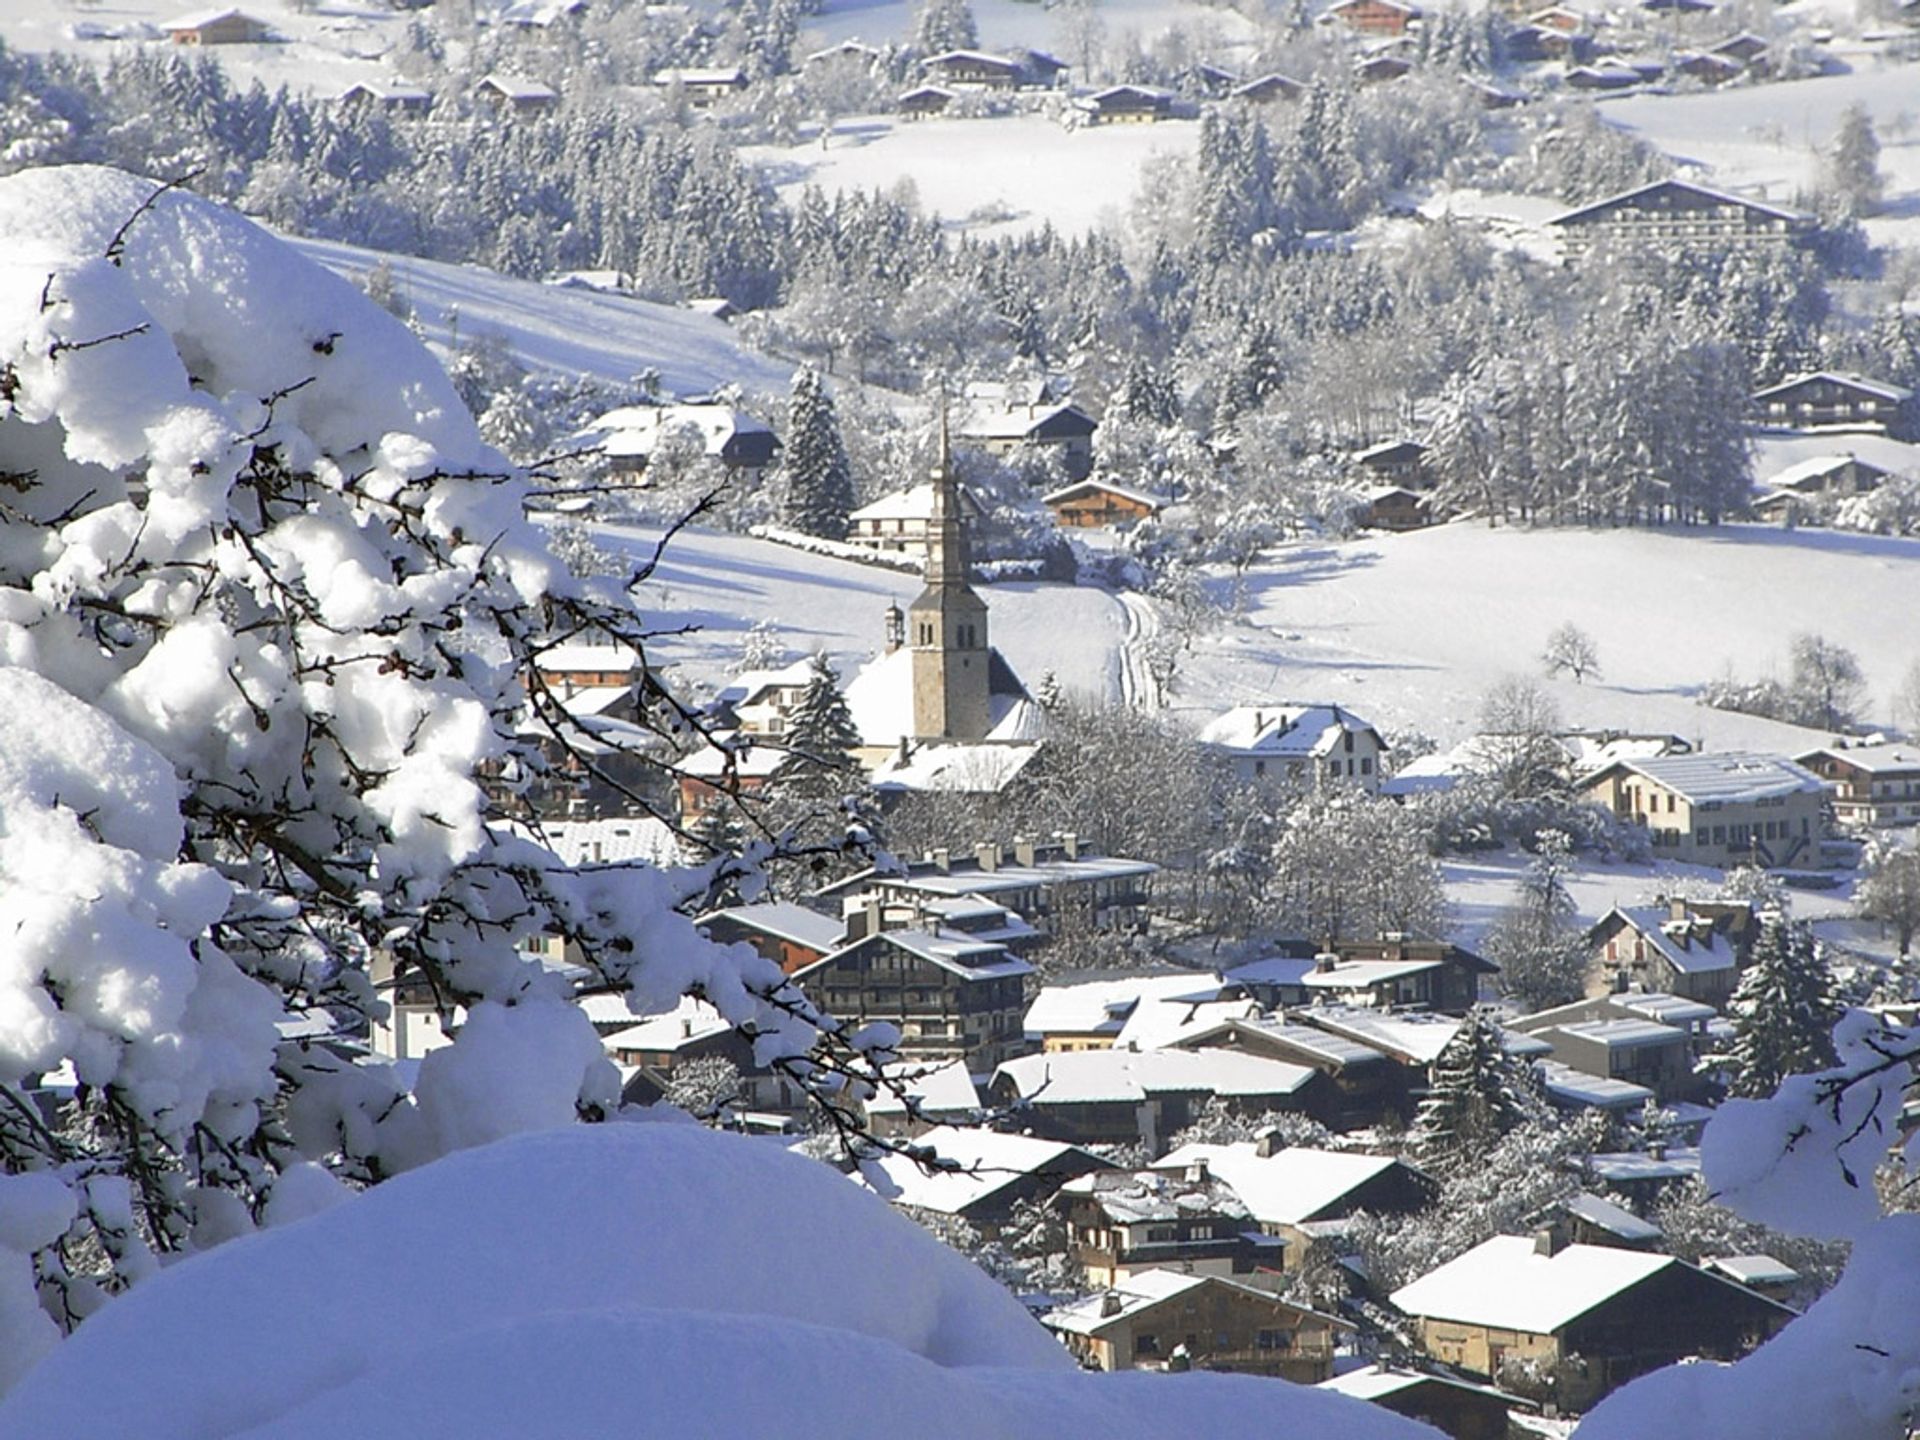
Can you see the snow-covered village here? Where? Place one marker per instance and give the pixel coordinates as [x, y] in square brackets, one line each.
[982, 718]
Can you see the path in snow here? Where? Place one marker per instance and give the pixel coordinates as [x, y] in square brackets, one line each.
[1132, 668]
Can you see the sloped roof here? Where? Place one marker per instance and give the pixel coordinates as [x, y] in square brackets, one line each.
[514, 88]
[1093, 483]
[1507, 1284]
[1377, 1382]
[611, 841]
[1101, 1007]
[1594, 1092]
[937, 1089]
[688, 1023]
[1147, 1288]
[1095, 1076]
[786, 921]
[971, 57]
[635, 430]
[915, 502]
[1282, 729]
[749, 685]
[880, 700]
[1879, 389]
[1722, 775]
[1418, 1036]
[1290, 1187]
[1162, 1021]
[985, 768]
[1874, 759]
[199, 19]
[1724, 197]
[1614, 1219]
[987, 1163]
[954, 951]
[1690, 948]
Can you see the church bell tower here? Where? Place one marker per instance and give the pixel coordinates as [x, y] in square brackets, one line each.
[947, 624]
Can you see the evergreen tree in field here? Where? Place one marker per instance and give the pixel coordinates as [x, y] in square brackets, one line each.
[821, 738]
[942, 25]
[1480, 1093]
[1851, 168]
[1783, 1010]
[819, 478]
[1539, 946]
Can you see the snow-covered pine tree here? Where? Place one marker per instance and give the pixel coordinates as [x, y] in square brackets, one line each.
[1783, 1010]
[1539, 946]
[941, 25]
[821, 739]
[1479, 1094]
[819, 479]
[1850, 167]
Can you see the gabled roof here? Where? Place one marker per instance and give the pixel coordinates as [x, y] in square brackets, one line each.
[937, 1090]
[1148, 1288]
[1752, 1269]
[514, 88]
[924, 92]
[960, 768]
[634, 430]
[611, 841]
[914, 502]
[880, 700]
[1378, 1382]
[1820, 467]
[784, 920]
[1507, 1284]
[1738, 776]
[1093, 484]
[1624, 1034]
[1627, 1167]
[1101, 1007]
[200, 19]
[387, 90]
[971, 57]
[1283, 729]
[1414, 1038]
[1290, 1187]
[747, 762]
[1706, 192]
[588, 656]
[688, 1023]
[1085, 1077]
[1616, 1220]
[1878, 389]
[1689, 946]
[987, 1163]
[953, 951]
[1887, 759]
[1158, 1023]
[750, 685]
[1062, 418]
[1270, 83]
[697, 76]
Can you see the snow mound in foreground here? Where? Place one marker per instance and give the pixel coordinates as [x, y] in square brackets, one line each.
[612, 1281]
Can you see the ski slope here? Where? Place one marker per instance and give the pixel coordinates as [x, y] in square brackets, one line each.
[565, 330]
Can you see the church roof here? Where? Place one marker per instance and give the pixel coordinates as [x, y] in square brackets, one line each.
[880, 700]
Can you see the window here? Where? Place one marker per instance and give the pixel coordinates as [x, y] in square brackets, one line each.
[1201, 1232]
[1366, 764]
[1146, 1345]
[1161, 1234]
[1719, 834]
[1273, 1340]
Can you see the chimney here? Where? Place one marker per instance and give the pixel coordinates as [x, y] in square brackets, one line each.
[855, 919]
[1677, 909]
[1197, 1172]
[1549, 1240]
[896, 627]
[1023, 850]
[1070, 844]
[1657, 1150]
[686, 1029]
[1324, 962]
[1268, 1143]
[942, 858]
[906, 749]
[987, 853]
[1109, 1304]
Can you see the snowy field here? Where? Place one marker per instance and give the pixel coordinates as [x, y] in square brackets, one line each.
[1007, 23]
[1410, 630]
[565, 330]
[723, 583]
[1006, 175]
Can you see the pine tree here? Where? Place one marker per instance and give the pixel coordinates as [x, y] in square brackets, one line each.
[1479, 1094]
[1852, 163]
[819, 477]
[1541, 950]
[1783, 1010]
[942, 25]
[821, 738]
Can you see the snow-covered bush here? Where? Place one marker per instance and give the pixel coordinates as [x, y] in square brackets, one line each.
[267, 606]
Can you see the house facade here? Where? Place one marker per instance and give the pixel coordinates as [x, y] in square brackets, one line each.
[217, 27]
[1828, 400]
[1121, 1224]
[1872, 786]
[1375, 17]
[1047, 883]
[1164, 1320]
[1310, 745]
[1098, 503]
[1399, 972]
[1670, 214]
[1691, 949]
[1721, 808]
[898, 522]
[1060, 428]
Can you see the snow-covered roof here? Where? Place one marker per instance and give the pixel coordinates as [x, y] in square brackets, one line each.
[1146, 1288]
[1324, 1044]
[635, 430]
[1626, 1167]
[1706, 192]
[1085, 1077]
[1668, 1009]
[512, 87]
[1593, 1092]
[1291, 1186]
[954, 951]
[612, 841]
[1101, 1007]
[586, 655]
[1736, 776]
[986, 768]
[1818, 468]
[971, 57]
[1160, 1022]
[786, 921]
[1093, 483]
[1131, 1197]
[1614, 1219]
[845, 47]
[748, 762]
[1378, 1382]
[387, 90]
[1273, 970]
[1752, 1269]
[1418, 1036]
[912, 503]
[926, 92]
[1888, 759]
[1506, 1283]
[1691, 948]
[880, 701]
[1310, 729]
[200, 19]
[750, 685]
[1625, 1034]
[688, 1023]
[702, 76]
[987, 1163]
[1364, 974]
[1015, 424]
[937, 1090]
[1879, 389]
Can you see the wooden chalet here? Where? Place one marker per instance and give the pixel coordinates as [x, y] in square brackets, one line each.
[703, 87]
[1829, 400]
[1264, 89]
[1121, 1224]
[1061, 427]
[1676, 213]
[1453, 1406]
[515, 95]
[1749, 49]
[973, 70]
[386, 95]
[1396, 462]
[790, 935]
[1590, 1317]
[217, 27]
[1165, 1320]
[1093, 503]
[1126, 105]
[1399, 972]
[1395, 508]
[1707, 67]
[1378, 69]
[1871, 785]
[923, 101]
[1375, 17]
[983, 1175]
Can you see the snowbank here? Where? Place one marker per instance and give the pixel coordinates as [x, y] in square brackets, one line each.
[612, 1281]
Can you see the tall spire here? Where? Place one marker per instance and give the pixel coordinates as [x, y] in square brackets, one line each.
[946, 530]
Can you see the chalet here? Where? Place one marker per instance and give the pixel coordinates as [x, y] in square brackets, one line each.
[1163, 1320]
[986, 767]
[1365, 1086]
[953, 996]
[1707, 67]
[1493, 97]
[1043, 882]
[1125, 105]
[790, 935]
[1604, 75]
[611, 840]
[1871, 785]
[846, 52]
[972, 917]
[923, 101]
[973, 70]
[1453, 1406]
[217, 27]
[1589, 1317]
[1123, 1096]
[1396, 462]
[761, 702]
[1375, 17]
[1399, 972]
[709, 776]
[518, 96]
[1749, 50]
[1213, 80]
[1377, 69]
[1611, 1042]
[1394, 508]
[703, 87]
[1061, 428]
[1643, 1175]
[1038, 68]
[1689, 949]
[1559, 17]
[1121, 1224]
[1828, 400]
[1265, 89]
[630, 436]
[979, 1175]
[1298, 1195]
[1092, 503]
[1837, 475]
[1760, 1273]
[1678, 7]
[1593, 1220]
[1669, 214]
[1309, 745]
[572, 666]
[388, 95]
[1721, 809]
[1092, 1014]
[649, 1049]
[915, 1098]
[1277, 979]
[898, 522]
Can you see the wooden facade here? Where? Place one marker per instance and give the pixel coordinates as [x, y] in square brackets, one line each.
[1375, 17]
[1669, 214]
[1096, 503]
[946, 1009]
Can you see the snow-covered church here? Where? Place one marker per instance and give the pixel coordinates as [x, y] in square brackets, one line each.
[940, 700]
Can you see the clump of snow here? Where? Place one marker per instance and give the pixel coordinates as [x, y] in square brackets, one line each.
[613, 1280]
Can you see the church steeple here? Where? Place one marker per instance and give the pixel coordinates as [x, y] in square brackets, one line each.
[947, 624]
